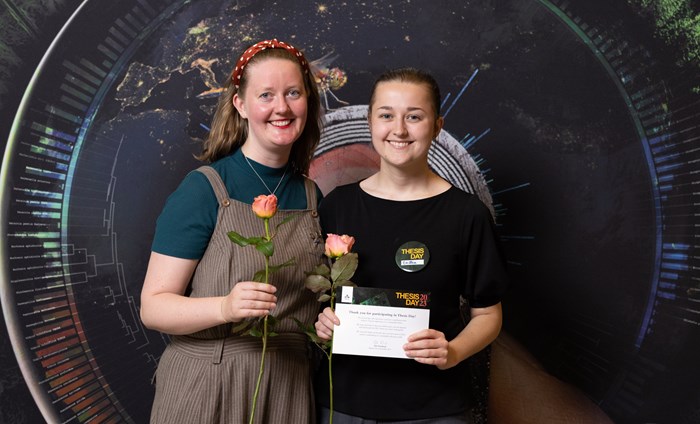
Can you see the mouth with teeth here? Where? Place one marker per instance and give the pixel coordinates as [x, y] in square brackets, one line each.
[399, 144]
[283, 123]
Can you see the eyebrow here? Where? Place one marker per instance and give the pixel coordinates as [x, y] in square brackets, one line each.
[410, 108]
[271, 88]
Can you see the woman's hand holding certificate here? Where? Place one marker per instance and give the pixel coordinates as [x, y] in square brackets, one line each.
[377, 322]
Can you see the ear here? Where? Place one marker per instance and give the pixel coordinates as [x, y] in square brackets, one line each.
[438, 126]
[238, 103]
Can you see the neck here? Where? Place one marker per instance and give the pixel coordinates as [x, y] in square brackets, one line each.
[273, 159]
[395, 184]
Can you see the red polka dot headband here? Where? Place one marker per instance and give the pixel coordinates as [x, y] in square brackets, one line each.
[258, 47]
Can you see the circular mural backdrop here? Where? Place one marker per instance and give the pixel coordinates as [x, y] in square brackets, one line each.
[580, 133]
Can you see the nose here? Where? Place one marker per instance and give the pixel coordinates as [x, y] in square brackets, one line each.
[281, 105]
[400, 128]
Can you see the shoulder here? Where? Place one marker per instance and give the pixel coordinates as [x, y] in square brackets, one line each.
[352, 189]
[470, 204]
[194, 193]
[187, 220]
[319, 193]
[194, 185]
[341, 193]
[225, 167]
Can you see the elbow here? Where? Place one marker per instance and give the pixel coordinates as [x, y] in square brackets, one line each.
[497, 323]
[146, 315]
[145, 319]
[490, 320]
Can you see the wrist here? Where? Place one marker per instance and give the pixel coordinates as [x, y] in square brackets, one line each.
[452, 358]
[221, 309]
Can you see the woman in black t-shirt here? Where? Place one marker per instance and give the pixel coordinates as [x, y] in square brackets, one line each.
[406, 202]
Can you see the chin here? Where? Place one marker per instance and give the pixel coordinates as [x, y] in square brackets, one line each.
[284, 144]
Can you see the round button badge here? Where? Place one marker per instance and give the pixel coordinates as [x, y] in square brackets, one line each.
[412, 256]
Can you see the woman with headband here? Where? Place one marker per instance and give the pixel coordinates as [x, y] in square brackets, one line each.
[198, 284]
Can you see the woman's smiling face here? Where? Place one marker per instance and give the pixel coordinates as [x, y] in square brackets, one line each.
[274, 103]
[403, 122]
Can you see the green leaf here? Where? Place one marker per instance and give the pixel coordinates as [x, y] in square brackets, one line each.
[266, 247]
[344, 267]
[321, 269]
[290, 262]
[310, 331]
[256, 240]
[239, 239]
[240, 326]
[271, 322]
[324, 345]
[303, 327]
[259, 276]
[287, 219]
[256, 326]
[324, 298]
[317, 283]
[318, 341]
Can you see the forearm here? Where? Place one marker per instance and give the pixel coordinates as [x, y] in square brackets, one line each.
[483, 328]
[175, 314]
[165, 308]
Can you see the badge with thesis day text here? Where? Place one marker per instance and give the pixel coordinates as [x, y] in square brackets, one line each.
[412, 256]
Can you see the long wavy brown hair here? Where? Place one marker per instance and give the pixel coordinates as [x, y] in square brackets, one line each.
[229, 131]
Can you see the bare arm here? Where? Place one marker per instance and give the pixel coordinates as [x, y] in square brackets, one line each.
[431, 347]
[165, 308]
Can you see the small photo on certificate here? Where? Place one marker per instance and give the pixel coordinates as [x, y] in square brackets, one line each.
[377, 322]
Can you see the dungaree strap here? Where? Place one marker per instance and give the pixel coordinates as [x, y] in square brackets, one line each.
[222, 197]
[310, 195]
[217, 184]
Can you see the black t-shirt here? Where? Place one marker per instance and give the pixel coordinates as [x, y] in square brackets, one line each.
[457, 231]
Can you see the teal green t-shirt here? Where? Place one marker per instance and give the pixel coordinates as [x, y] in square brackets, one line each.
[187, 221]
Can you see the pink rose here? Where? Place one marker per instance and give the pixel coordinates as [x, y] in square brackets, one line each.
[265, 206]
[337, 246]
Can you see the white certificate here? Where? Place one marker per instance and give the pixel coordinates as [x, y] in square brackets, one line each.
[370, 330]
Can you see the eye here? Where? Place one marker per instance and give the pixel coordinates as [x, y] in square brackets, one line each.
[294, 93]
[266, 96]
[384, 116]
[413, 118]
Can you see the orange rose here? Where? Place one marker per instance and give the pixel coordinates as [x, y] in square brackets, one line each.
[265, 206]
[337, 246]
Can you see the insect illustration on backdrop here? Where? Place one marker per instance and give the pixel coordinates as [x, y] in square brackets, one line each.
[328, 79]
